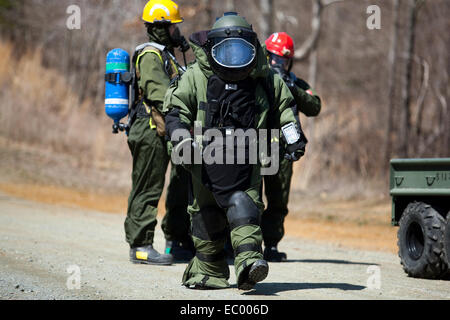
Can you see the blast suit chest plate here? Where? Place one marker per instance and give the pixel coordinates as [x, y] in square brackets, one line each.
[230, 105]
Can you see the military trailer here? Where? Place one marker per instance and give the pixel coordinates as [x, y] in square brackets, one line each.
[420, 191]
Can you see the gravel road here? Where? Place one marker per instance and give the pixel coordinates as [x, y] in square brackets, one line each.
[47, 251]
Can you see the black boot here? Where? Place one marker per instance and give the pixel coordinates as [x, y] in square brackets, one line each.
[253, 274]
[272, 254]
[180, 251]
[148, 255]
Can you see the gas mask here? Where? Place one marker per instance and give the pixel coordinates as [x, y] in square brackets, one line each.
[279, 62]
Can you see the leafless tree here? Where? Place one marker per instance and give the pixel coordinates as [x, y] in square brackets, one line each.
[391, 85]
[414, 6]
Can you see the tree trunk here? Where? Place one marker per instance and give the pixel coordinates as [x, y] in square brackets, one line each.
[406, 91]
[391, 86]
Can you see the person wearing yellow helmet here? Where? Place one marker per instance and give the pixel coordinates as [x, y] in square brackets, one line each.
[154, 67]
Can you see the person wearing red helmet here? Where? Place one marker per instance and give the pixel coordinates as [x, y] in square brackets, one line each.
[280, 53]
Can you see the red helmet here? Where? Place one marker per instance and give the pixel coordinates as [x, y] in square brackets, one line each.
[281, 44]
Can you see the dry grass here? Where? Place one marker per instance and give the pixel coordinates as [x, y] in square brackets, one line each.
[348, 234]
[57, 195]
[38, 107]
[361, 224]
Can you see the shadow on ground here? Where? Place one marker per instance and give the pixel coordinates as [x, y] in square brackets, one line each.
[331, 261]
[231, 262]
[270, 289]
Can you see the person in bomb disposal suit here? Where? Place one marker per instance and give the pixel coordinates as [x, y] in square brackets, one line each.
[280, 52]
[230, 87]
[155, 66]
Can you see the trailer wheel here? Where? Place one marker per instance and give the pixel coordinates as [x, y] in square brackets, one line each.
[420, 241]
[447, 244]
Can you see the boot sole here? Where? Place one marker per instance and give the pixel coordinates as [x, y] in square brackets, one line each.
[258, 272]
[135, 261]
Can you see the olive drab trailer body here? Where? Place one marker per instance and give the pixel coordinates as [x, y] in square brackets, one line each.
[420, 191]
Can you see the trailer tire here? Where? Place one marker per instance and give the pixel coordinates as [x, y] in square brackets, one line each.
[447, 244]
[420, 241]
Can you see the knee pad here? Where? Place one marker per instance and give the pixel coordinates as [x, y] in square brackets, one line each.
[209, 224]
[242, 211]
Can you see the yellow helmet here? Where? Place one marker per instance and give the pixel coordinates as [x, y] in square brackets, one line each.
[161, 11]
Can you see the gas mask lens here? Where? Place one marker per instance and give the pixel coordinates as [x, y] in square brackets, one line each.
[276, 60]
[233, 53]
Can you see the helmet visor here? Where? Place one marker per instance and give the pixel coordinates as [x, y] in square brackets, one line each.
[233, 53]
[276, 60]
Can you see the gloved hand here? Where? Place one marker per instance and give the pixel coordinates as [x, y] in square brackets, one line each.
[184, 45]
[295, 141]
[295, 151]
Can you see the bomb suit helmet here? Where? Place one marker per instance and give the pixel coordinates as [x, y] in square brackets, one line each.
[232, 47]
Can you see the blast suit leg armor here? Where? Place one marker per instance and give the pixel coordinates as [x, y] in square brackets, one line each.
[210, 225]
[209, 268]
[246, 237]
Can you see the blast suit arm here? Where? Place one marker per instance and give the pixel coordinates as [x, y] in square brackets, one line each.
[286, 110]
[180, 104]
[306, 98]
[153, 81]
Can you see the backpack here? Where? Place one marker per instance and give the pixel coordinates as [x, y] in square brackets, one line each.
[138, 106]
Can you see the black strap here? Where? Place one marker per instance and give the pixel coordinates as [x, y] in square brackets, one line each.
[111, 77]
[124, 77]
[204, 280]
[247, 247]
[210, 257]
